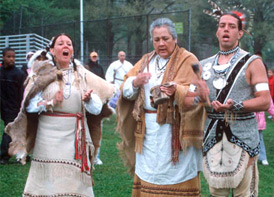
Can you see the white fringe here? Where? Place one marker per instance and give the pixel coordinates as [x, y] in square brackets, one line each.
[223, 181]
[45, 175]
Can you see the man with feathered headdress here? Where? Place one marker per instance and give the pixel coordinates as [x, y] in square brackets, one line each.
[238, 88]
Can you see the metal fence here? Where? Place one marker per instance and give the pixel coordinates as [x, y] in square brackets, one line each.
[109, 36]
[22, 44]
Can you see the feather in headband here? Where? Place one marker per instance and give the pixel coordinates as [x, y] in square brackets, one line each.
[244, 14]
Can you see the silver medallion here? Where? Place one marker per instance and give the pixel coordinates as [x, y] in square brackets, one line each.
[219, 83]
[206, 75]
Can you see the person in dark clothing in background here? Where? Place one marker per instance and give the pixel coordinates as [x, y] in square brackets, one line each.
[11, 95]
[95, 68]
[93, 65]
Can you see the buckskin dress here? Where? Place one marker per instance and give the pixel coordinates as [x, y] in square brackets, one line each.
[63, 146]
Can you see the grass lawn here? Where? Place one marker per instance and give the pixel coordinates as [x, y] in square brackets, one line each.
[111, 178]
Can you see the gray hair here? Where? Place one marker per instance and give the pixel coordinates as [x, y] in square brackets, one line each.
[163, 22]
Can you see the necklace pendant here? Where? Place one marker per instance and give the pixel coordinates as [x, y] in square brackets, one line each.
[158, 75]
[219, 83]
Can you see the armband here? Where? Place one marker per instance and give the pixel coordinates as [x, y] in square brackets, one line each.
[261, 87]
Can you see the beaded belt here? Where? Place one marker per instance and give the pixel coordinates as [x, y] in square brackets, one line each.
[80, 137]
[237, 116]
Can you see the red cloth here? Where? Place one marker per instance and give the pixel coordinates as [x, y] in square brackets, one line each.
[271, 86]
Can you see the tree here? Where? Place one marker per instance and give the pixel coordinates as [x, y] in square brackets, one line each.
[49, 17]
[117, 31]
[18, 15]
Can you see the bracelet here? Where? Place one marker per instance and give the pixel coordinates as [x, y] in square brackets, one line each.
[196, 100]
[237, 106]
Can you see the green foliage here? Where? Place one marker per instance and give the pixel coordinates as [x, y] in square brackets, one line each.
[107, 35]
[36, 12]
[111, 178]
[262, 28]
[266, 173]
[6, 8]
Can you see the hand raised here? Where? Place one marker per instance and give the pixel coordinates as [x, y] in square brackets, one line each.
[141, 79]
[86, 96]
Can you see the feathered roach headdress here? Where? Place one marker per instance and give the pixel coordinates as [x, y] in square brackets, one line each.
[245, 15]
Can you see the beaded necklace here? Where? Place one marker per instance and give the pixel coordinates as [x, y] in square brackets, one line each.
[67, 82]
[229, 51]
[160, 70]
[220, 71]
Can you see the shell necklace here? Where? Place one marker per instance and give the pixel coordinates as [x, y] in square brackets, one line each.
[219, 82]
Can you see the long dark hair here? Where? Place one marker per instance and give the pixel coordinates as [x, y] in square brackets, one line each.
[51, 45]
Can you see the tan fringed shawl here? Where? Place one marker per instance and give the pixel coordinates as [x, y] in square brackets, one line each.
[130, 114]
[23, 129]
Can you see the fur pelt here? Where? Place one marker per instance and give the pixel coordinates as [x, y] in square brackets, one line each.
[95, 126]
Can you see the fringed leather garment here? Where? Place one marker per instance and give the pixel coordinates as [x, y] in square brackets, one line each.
[187, 126]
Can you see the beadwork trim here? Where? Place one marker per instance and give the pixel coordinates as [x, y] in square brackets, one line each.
[54, 195]
[60, 162]
[229, 173]
[236, 116]
[234, 140]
